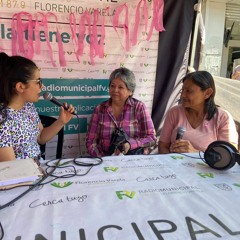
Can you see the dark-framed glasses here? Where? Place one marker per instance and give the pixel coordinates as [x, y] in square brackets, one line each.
[39, 81]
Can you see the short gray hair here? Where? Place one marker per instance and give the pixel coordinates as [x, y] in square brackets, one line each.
[126, 75]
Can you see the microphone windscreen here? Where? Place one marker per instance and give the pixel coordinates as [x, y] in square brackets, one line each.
[47, 96]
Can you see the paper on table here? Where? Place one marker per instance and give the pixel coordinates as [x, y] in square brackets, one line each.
[19, 171]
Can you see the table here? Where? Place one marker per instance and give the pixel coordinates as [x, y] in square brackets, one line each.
[148, 197]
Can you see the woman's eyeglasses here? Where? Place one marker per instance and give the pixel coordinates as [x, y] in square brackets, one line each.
[39, 81]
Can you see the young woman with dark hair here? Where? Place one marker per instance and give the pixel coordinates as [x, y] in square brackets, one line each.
[21, 130]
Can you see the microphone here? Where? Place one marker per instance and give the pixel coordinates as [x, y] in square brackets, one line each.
[49, 96]
[180, 131]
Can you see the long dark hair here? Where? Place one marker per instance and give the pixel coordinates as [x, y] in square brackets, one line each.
[12, 70]
[204, 80]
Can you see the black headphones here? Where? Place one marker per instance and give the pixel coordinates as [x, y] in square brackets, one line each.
[221, 155]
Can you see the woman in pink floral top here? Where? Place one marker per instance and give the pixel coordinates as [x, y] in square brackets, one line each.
[122, 111]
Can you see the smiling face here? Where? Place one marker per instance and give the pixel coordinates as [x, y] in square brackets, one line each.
[193, 96]
[118, 91]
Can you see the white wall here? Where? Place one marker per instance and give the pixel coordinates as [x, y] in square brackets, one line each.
[214, 24]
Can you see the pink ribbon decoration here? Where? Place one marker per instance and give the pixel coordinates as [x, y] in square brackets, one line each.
[59, 40]
[43, 23]
[137, 20]
[38, 23]
[18, 34]
[82, 31]
[93, 37]
[102, 38]
[25, 30]
[96, 46]
[125, 25]
[157, 21]
[72, 21]
[14, 37]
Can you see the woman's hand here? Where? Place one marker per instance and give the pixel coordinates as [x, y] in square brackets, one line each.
[124, 149]
[236, 75]
[48, 133]
[182, 146]
[66, 115]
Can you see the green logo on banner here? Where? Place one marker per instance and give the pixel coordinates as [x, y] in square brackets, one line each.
[128, 194]
[202, 164]
[61, 185]
[113, 169]
[206, 175]
[177, 157]
[237, 185]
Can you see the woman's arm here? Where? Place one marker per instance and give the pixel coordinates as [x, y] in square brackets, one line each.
[6, 149]
[147, 136]
[7, 154]
[171, 120]
[227, 130]
[48, 133]
[163, 147]
[236, 75]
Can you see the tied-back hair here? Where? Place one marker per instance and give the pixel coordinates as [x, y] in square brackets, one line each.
[204, 80]
[126, 75]
[12, 70]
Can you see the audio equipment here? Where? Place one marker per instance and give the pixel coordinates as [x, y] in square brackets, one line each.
[221, 155]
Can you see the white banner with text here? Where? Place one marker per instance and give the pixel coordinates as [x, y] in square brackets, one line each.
[77, 44]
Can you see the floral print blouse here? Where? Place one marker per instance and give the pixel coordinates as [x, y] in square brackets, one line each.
[20, 131]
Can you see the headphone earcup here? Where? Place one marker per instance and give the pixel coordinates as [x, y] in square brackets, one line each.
[220, 155]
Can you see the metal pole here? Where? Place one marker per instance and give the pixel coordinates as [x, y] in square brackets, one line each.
[195, 33]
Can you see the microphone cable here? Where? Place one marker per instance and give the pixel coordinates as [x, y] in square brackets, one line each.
[200, 156]
[80, 163]
[74, 161]
[64, 165]
[48, 96]
[50, 173]
[1, 231]
[30, 188]
[186, 155]
[79, 136]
